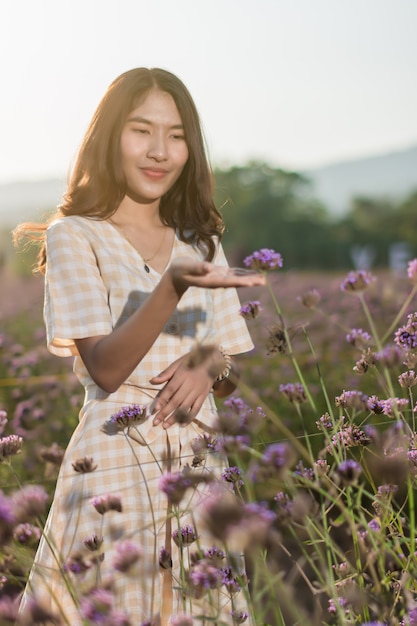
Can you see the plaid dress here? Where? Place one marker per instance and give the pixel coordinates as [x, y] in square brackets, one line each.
[94, 281]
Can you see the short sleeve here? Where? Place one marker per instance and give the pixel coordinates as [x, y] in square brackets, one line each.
[76, 301]
[231, 329]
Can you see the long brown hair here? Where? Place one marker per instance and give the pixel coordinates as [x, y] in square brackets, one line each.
[97, 183]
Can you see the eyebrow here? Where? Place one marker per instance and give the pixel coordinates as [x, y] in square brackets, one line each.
[143, 120]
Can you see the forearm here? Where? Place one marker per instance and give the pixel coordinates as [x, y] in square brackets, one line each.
[111, 359]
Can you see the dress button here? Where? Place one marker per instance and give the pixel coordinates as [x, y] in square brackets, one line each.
[172, 328]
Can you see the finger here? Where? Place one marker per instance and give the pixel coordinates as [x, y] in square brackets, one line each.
[166, 374]
[163, 408]
[181, 416]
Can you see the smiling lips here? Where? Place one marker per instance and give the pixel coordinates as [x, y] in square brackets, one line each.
[155, 173]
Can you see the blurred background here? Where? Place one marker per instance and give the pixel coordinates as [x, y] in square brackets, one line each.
[309, 111]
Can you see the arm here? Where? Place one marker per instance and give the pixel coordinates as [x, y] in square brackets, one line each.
[111, 358]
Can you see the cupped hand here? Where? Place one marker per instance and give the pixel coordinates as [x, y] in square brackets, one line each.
[186, 272]
[185, 389]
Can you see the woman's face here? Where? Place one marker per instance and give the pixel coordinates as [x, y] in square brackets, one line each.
[153, 147]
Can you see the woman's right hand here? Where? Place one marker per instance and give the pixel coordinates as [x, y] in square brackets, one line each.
[186, 272]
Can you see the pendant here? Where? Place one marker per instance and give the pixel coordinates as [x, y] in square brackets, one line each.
[146, 268]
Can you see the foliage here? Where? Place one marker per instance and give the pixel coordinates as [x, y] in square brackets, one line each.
[274, 208]
[322, 442]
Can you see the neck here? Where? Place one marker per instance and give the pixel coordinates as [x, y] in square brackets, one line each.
[129, 211]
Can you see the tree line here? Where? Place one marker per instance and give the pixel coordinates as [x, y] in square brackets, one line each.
[265, 207]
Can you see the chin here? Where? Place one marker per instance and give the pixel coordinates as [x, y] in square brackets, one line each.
[141, 198]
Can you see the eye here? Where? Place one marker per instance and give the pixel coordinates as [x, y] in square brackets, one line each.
[141, 131]
[178, 136]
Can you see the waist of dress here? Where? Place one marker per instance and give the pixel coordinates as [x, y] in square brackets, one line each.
[125, 393]
[131, 394]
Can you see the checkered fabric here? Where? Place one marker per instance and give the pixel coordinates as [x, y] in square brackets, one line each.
[94, 281]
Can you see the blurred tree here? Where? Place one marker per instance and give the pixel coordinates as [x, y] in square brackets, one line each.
[271, 208]
[265, 207]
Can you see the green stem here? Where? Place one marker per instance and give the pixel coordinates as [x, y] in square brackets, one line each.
[289, 346]
[400, 313]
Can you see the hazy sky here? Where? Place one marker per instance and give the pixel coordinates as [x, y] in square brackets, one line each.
[298, 83]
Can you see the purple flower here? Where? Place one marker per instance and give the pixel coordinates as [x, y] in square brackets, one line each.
[349, 471]
[205, 575]
[387, 490]
[358, 337]
[184, 536]
[237, 405]
[53, 454]
[260, 512]
[264, 260]
[96, 605]
[276, 459]
[325, 422]
[407, 379]
[239, 617]
[84, 465]
[233, 475]
[29, 502]
[215, 554]
[390, 356]
[174, 485]
[295, 392]
[310, 299]
[108, 502]
[204, 444]
[128, 416]
[165, 559]
[406, 336]
[232, 583]
[76, 564]
[27, 534]
[278, 455]
[352, 399]
[93, 543]
[128, 554]
[374, 525]
[412, 617]
[375, 405]
[394, 405]
[250, 310]
[356, 282]
[332, 605]
[9, 446]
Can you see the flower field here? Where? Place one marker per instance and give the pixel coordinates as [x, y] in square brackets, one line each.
[322, 445]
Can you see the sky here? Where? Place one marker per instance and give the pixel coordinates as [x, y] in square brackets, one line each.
[295, 83]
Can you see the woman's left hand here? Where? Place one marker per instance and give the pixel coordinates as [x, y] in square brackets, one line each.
[186, 389]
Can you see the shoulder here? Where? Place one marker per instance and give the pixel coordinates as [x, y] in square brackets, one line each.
[72, 226]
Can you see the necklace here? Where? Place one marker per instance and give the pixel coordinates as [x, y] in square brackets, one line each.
[145, 261]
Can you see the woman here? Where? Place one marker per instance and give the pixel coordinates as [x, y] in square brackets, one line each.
[137, 288]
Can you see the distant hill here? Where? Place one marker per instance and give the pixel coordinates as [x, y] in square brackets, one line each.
[392, 175]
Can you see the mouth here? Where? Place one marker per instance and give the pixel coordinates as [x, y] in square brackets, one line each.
[154, 172]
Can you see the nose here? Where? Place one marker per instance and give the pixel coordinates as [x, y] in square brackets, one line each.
[157, 149]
